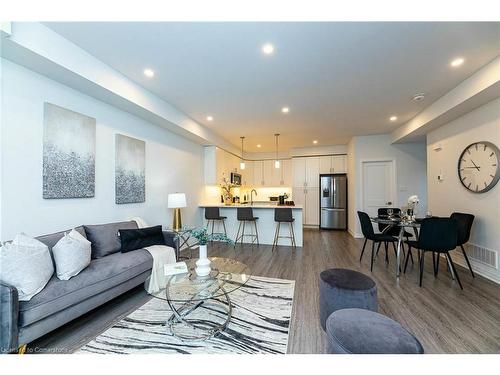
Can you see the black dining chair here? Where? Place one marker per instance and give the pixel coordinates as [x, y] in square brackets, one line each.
[382, 212]
[464, 222]
[437, 235]
[369, 234]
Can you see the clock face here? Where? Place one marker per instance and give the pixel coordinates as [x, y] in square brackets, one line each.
[478, 167]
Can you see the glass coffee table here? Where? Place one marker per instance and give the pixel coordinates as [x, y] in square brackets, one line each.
[201, 306]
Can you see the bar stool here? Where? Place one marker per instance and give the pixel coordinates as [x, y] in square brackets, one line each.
[283, 215]
[213, 214]
[244, 215]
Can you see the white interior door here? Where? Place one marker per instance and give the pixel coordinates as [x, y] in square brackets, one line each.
[379, 185]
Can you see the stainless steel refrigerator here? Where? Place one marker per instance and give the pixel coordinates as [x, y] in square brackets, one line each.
[333, 201]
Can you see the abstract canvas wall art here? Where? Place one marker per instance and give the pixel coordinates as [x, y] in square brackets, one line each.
[68, 154]
[130, 174]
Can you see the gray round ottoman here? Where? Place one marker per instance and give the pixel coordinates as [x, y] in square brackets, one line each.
[341, 288]
[359, 331]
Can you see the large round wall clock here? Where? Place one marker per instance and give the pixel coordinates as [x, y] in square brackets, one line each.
[478, 167]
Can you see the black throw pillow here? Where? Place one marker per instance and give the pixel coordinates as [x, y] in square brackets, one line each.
[133, 239]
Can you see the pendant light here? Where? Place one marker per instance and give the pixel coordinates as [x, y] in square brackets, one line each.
[242, 162]
[276, 162]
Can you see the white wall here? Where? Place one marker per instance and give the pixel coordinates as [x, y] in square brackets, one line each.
[482, 124]
[172, 162]
[411, 175]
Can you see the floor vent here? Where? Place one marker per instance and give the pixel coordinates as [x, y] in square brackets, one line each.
[482, 255]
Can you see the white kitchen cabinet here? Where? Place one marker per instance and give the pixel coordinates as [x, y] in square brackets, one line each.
[299, 172]
[299, 198]
[312, 172]
[332, 164]
[268, 172]
[325, 164]
[309, 199]
[286, 173]
[339, 164]
[247, 173]
[258, 173]
[312, 206]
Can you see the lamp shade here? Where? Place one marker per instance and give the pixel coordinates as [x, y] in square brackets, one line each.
[177, 200]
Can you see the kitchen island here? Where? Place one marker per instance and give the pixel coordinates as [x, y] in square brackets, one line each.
[266, 226]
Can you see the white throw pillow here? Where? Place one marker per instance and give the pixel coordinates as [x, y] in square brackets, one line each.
[26, 264]
[71, 255]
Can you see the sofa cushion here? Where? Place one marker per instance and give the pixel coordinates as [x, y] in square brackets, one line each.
[71, 255]
[101, 275]
[25, 263]
[104, 237]
[51, 239]
[133, 239]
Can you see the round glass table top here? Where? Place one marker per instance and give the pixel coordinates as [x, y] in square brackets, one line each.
[226, 276]
[396, 221]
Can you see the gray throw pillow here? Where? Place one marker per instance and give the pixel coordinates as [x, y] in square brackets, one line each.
[71, 255]
[105, 237]
[26, 264]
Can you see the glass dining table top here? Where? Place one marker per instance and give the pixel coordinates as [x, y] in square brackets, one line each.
[396, 221]
[226, 276]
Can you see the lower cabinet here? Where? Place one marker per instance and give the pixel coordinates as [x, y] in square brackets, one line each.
[309, 199]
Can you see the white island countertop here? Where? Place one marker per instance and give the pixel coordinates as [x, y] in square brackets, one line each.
[255, 205]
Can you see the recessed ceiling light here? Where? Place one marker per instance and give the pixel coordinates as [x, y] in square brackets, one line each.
[210, 118]
[259, 146]
[315, 142]
[285, 109]
[149, 72]
[393, 118]
[268, 48]
[457, 62]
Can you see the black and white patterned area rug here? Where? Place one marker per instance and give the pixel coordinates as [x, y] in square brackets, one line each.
[260, 323]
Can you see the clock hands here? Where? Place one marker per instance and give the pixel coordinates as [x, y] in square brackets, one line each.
[475, 166]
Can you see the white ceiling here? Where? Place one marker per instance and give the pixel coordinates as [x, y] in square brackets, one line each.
[339, 79]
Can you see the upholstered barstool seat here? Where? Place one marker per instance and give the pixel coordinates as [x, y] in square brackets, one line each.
[360, 331]
[212, 214]
[341, 288]
[282, 216]
[244, 215]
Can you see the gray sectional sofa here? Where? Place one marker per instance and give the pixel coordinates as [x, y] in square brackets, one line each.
[62, 301]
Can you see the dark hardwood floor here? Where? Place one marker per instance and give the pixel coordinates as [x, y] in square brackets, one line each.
[443, 317]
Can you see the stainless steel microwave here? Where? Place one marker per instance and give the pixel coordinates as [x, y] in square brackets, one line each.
[236, 179]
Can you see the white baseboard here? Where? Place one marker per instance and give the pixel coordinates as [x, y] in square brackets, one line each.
[479, 269]
[353, 234]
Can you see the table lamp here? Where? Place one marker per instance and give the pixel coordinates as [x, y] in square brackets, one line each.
[177, 201]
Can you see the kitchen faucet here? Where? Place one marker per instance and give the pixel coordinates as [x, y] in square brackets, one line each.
[251, 196]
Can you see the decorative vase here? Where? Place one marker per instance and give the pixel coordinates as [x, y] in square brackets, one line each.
[203, 263]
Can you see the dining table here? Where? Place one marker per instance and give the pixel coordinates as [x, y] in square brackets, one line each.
[402, 224]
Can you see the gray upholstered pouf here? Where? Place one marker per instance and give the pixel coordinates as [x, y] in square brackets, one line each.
[359, 331]
[342, 289]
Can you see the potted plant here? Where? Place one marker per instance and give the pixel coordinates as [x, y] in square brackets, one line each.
[226, 187]
[203, 263]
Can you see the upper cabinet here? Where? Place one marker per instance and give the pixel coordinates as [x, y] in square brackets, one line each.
[299, 172]
[219, 164]
[286, 173]
[332, 164]
[312, 172]
[306, 171]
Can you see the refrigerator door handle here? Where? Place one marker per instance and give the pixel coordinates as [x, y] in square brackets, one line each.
[333, 209]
